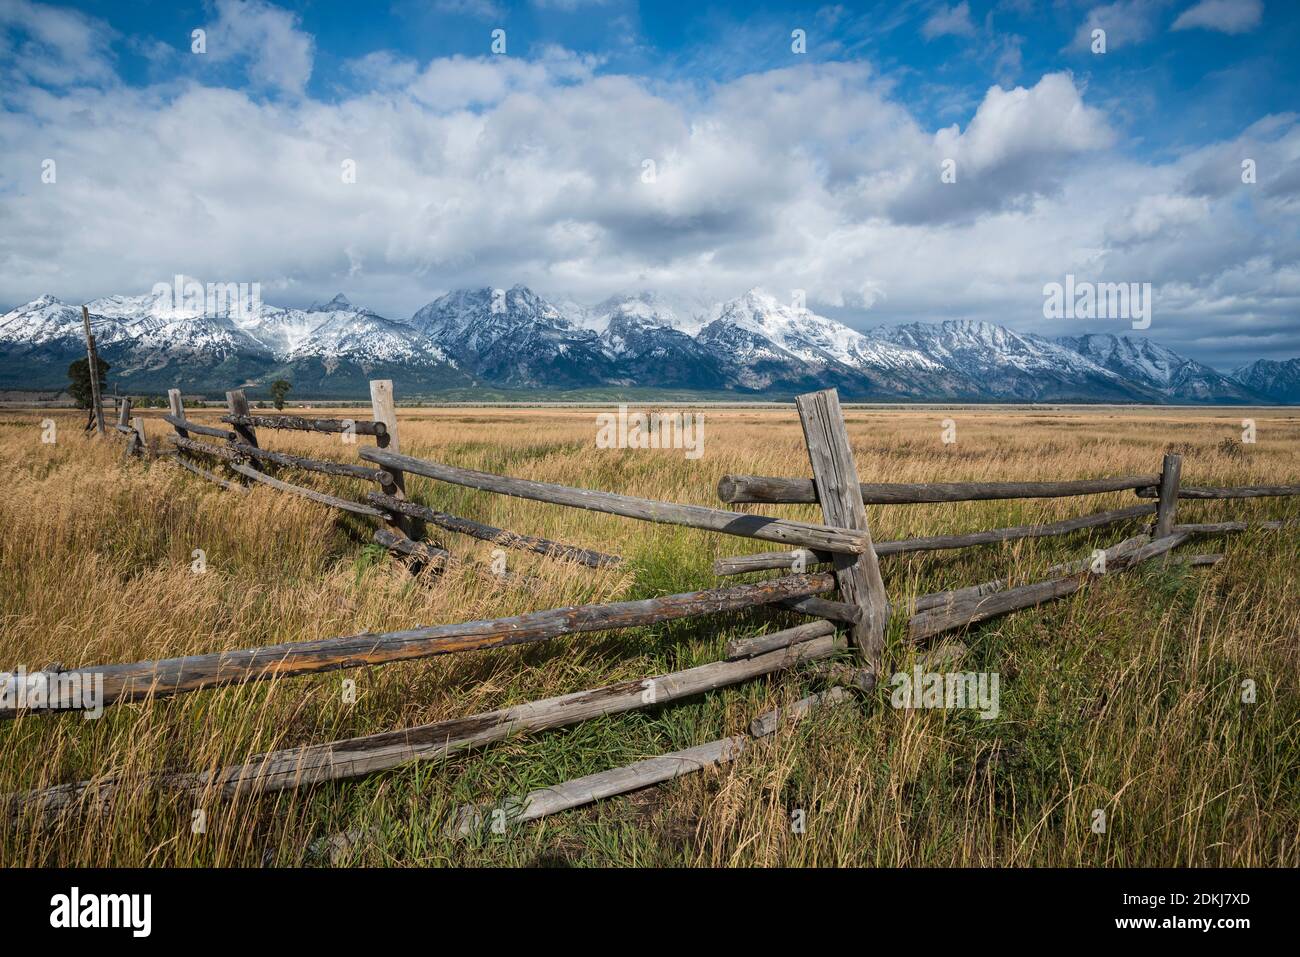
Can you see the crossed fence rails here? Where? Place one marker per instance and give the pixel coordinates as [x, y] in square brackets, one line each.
[837, 557]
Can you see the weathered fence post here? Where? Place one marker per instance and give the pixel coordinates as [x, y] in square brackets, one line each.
[177, 409]
[141, 448]
[124, 423]
[237, 404]
[836, 477]
[383, 408]
[1168, 505]
[92, 359]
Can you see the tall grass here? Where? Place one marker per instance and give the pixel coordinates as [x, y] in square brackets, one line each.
[1124, 699]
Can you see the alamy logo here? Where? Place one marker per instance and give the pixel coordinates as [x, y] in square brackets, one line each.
[976, 691]
[653, 430]
[75, 909]
[212, 299]
[1100, 300]
[53, 691]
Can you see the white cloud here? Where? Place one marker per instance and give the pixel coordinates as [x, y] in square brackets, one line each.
[266, 39]
[949, 21]
[498, 170]
[1126, 22]
[1226, 16]
[54, 46]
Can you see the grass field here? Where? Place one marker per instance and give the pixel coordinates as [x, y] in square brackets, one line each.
[1125, 698]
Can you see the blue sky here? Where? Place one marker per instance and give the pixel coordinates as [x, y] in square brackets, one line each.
[816, 170]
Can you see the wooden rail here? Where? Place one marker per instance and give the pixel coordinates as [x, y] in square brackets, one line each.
[300, 424]
[766, 490]
[354, 757]
[1239, 491]
[544, 802]
[196, 427]
[154, 679]
[694, 516]
[804, 558]
[497, 536]
[947, 617]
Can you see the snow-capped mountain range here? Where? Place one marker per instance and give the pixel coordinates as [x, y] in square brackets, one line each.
[752, 346]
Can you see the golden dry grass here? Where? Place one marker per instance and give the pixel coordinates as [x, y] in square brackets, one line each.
[1125, 698]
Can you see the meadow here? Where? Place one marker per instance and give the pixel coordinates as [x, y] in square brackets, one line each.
[1126, 698]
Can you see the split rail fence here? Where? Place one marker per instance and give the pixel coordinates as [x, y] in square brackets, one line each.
[830, 573]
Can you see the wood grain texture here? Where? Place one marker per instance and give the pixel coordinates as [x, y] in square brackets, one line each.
[300, 424]
[1238, 491]
[835, 475]
[92, 362]
[947, 617]
[1168, 504]
[758, 561]
[151, 679]
[177, 406]
[693, 516]
[354, 757]
[769, 490]
[185, 427]
[762, 644]
[543, 802]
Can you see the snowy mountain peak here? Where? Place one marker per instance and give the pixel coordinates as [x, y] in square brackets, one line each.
[754, 344]
[339, 303]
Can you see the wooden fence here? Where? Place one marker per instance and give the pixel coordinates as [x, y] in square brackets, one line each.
[830, 573]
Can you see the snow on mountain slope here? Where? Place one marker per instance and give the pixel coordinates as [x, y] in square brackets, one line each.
[1148, 363]
[752, 344]
[1003, 364]
[516, 338]
[1278, 380]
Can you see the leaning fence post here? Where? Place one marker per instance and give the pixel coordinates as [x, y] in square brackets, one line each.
[835, 476]
[383, 408]
[92, 361]
[1169, 476]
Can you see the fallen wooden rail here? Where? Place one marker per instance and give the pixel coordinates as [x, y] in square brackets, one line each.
[204, 473]
[322, 498]
[544, 802]
[926, 624]
[354, 757]
[299, 424]
[761, 644]
[421, 551]
[694, 516]
[796, 491]
[1215, 528]
[1239, 491]
[497, 536]
[155, 679]
[956, 595]
[803, 558]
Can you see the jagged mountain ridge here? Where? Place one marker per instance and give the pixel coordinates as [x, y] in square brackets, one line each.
[1278, 380]
[753, 345]
[1150, 364]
